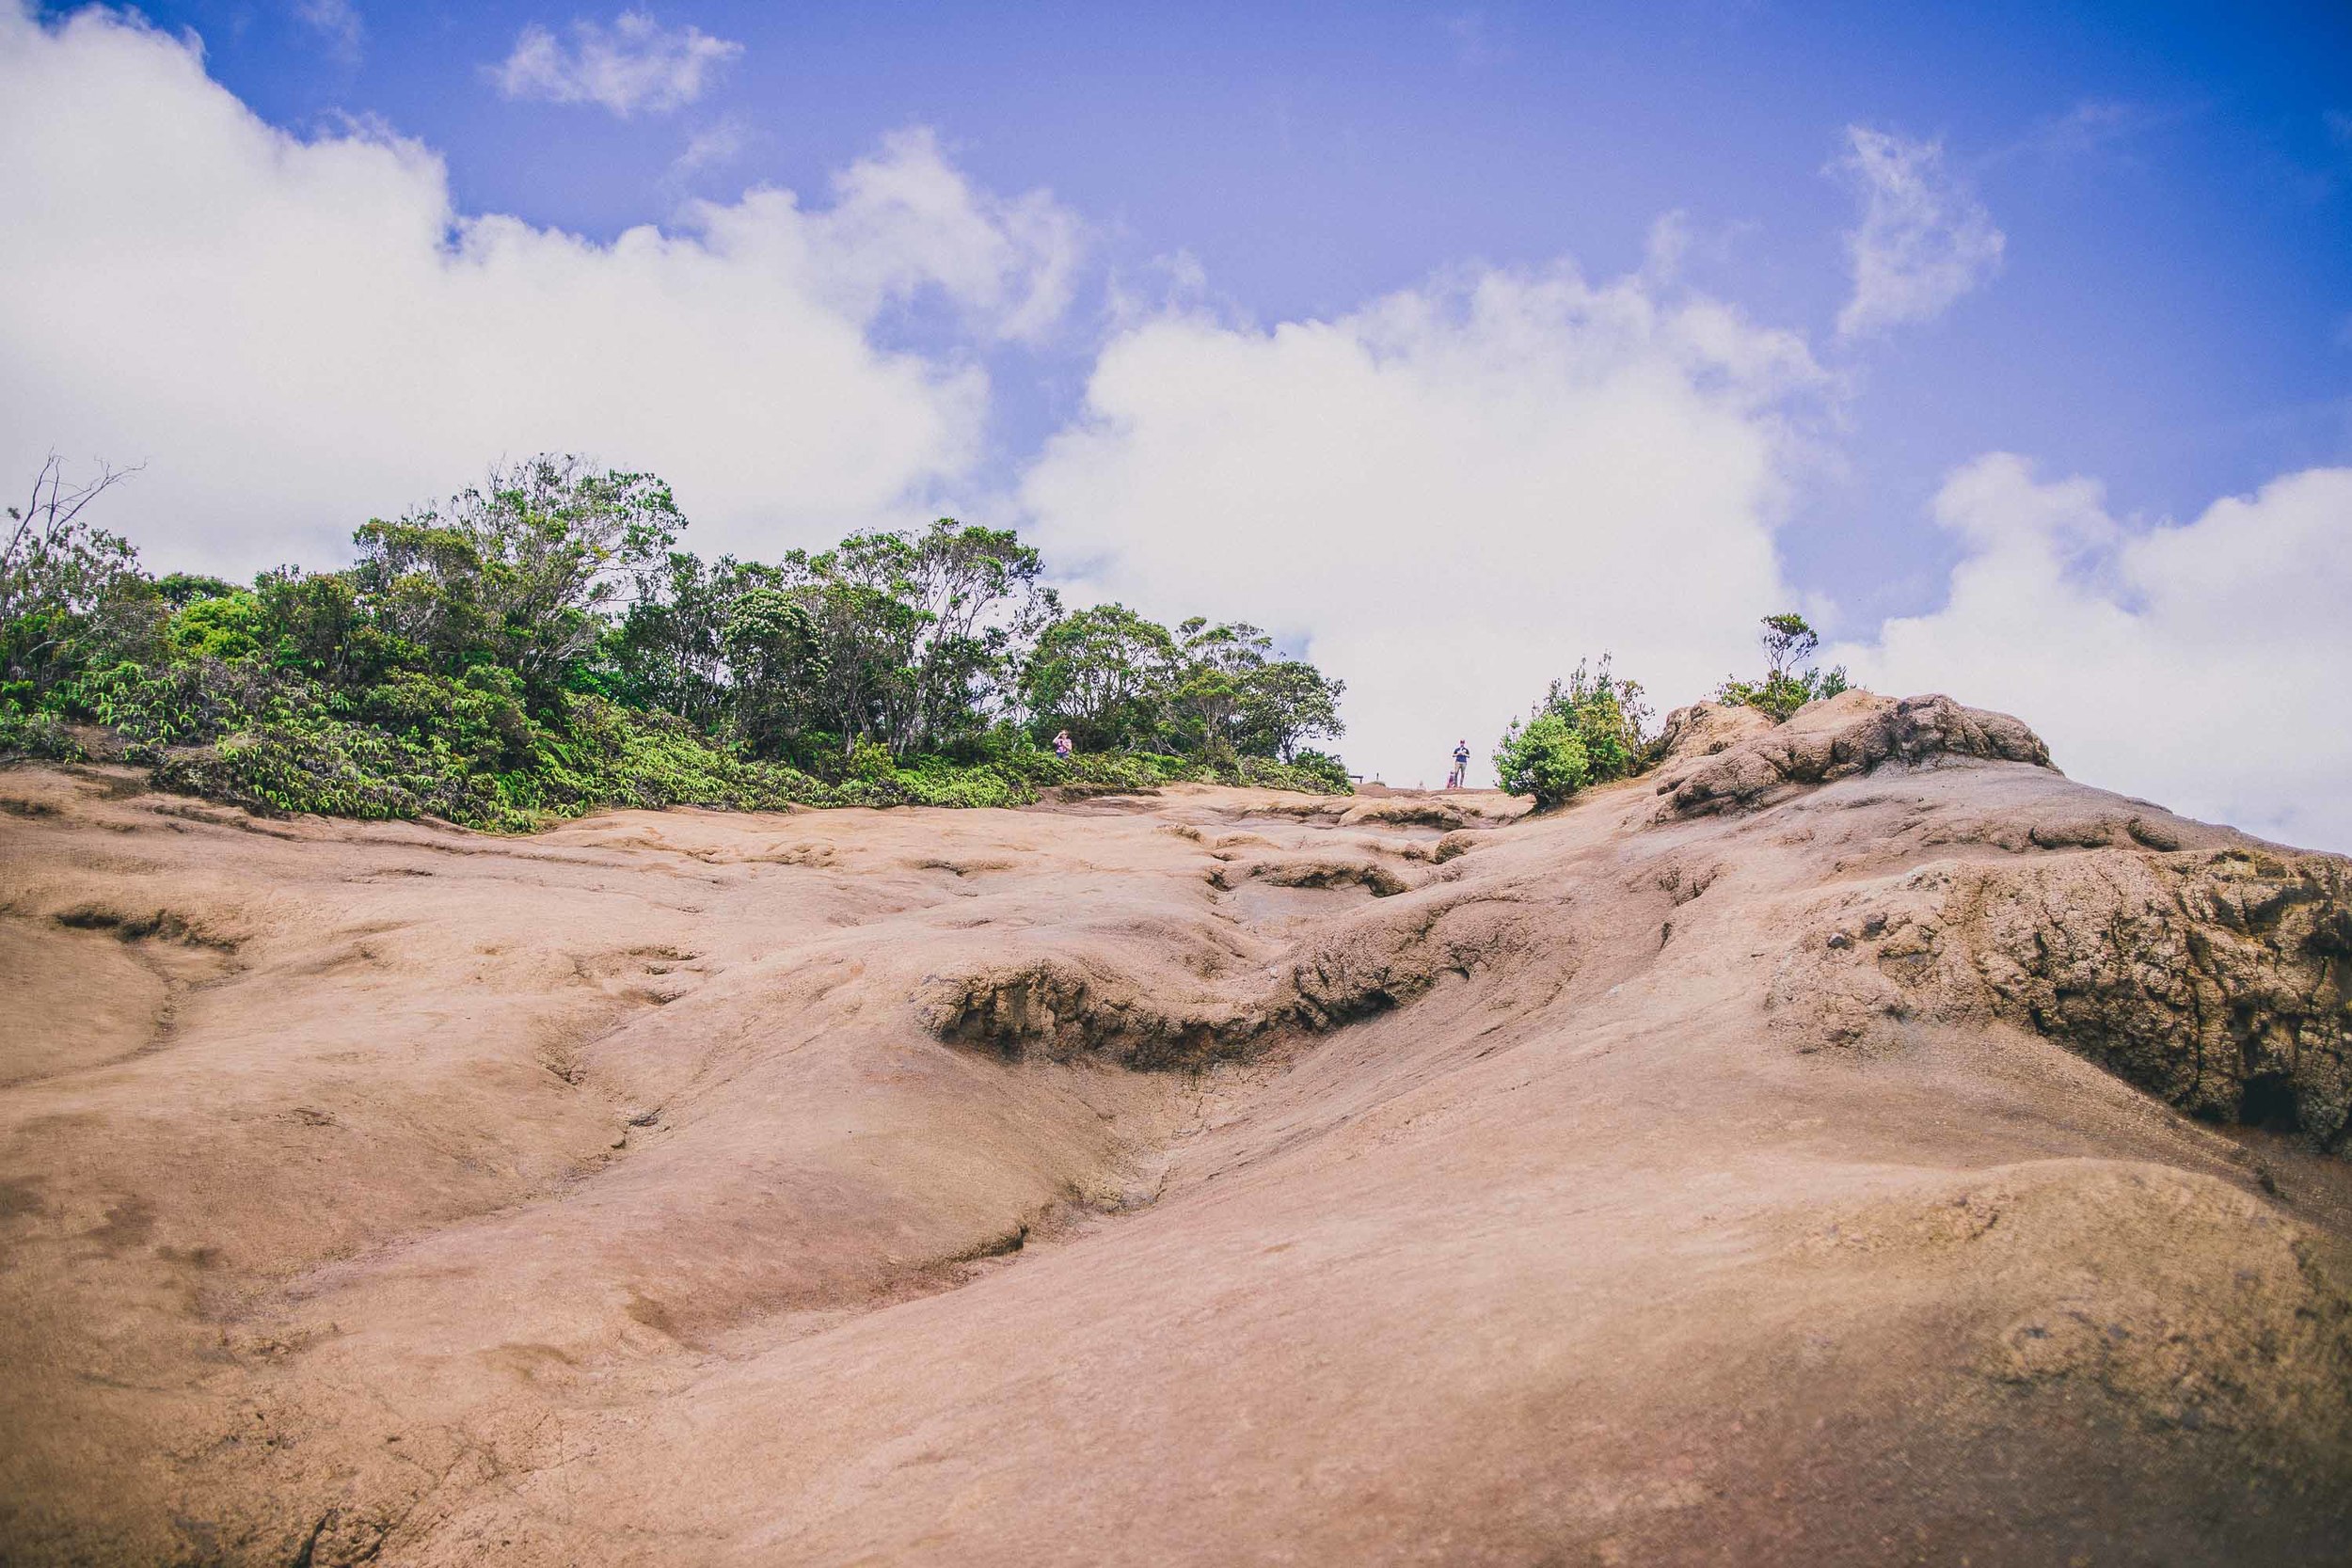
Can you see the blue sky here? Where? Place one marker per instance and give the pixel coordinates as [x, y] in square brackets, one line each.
[2158, 199]
[2175, 311]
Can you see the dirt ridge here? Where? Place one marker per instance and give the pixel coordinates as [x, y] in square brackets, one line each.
[1855, 1141]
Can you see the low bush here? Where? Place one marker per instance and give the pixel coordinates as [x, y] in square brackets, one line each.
[1545, 758]
[36, 735]
[251, 735]
[1312, 772]
[1588, 729]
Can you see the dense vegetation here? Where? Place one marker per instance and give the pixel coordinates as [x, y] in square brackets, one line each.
[540, 645]
[1587, 730]
[1593, 727]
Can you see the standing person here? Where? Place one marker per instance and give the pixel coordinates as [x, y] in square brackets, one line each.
[1062, 746]
[1461, 765]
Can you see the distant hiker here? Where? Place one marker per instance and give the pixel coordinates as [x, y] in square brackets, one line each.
[1461, 766]
[1062, 746]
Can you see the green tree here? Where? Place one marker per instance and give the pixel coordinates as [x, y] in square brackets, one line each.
[1608, 712]
[670, 650]
[182, 589]
[776, 667]
[919, 631]
[518, 572]
[317, 626]
[540, 644]
[67, 589]
[1787, 641]
[1283, 703]
[1105, 674]
[235, 624]
[1215, 663]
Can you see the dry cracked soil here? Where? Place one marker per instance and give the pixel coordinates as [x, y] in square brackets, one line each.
[1851, 1143]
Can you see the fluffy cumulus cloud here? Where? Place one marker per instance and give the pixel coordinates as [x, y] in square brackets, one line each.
[1924, 238]
[2199, 664]
[635, 64]
[294, 333]
[1449, 496]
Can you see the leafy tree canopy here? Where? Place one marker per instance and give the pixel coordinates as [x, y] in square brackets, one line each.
[540, 643]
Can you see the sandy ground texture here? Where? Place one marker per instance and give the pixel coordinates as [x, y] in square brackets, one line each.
[1852, 1142]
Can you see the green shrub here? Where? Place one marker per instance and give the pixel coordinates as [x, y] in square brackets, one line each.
[1786, 640]
[934, 782]
[612, 755]
[228, 625]
[1126, 770]
[1310, 771]
[1546, 757]
[1588, 729]
[279, 769]
[870, 763]
[36, 735]
[191, 703]
[478, 716]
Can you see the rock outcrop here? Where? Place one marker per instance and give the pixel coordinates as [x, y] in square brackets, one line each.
[2215, 979]
[1855, 733]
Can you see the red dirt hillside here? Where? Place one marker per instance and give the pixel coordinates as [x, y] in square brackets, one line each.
[1851, 1142]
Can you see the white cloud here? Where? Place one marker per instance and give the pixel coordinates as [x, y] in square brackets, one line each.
[713, 147]
[293, 334]
[634, 64]
[1453, 493]
[1924, 238]
[337, 23]
[2201, 664]
[906, 219]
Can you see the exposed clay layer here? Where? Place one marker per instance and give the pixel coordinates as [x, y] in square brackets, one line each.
[2215, 979]
[1063, 1007]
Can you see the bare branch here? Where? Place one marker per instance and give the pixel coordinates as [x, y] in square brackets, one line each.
[45, 532]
